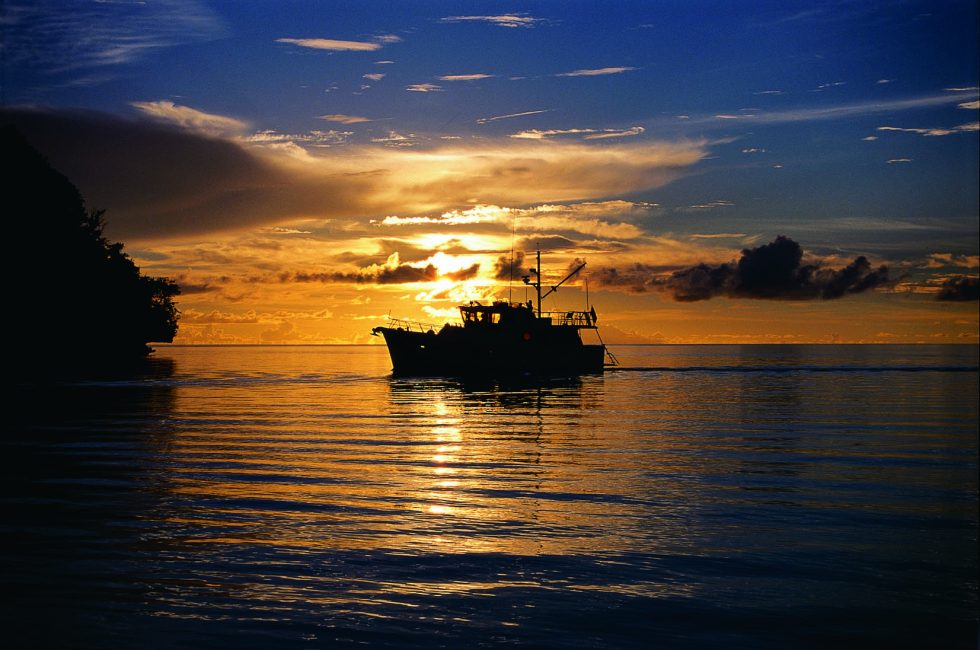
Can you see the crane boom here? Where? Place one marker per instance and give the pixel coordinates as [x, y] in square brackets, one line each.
[565, 279]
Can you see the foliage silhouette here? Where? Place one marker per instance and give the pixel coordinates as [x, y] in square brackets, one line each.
[74, 296]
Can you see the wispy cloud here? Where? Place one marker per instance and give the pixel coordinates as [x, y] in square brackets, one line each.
[374, 76]
[344, 119]
[834, 84]
[395, 139]
[899, 160]
[719, 235]
[50, 37]
[588, 134]
[314, 138]
[191, 119]
[838, 112]
[589, 218]
[541, 134]
[424, 88]
[501, 20]
[596, 72]
[465, 77]
[710, 205]
[974, 105]
[935, 132]
[486, 120]
[332, 44]
[616, 133]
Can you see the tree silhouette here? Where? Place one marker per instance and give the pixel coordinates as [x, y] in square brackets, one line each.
[74, 296]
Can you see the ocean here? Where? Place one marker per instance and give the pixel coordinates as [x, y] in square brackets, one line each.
[300, 497]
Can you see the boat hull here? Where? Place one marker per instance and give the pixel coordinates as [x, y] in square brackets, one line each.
[461, 354]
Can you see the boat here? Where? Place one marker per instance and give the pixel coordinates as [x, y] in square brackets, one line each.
[499, 339]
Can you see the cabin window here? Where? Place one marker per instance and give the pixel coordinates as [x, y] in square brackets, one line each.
[482, 317]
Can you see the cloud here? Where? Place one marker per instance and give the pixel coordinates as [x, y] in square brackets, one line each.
[935, 132]
[588, 218]
[465, 77]
[588, 134]
[974, 105]
[424, 88]
[394, 139]
[616, 133]
[710, 205]
[503, 20]
[898, 160]
[314, 138]
[596, 72]
[538, 134]
[479, 214]
[825, 86]
[331, 44]
[509, 267]
[47, 37]
[773, 271]
[837, 112]
[190, 118]
[215, 316]
[960, 288]
[486, 120]
[344, 119]
[374, 76]
[939, 260]
[159, 182]
[392, 271]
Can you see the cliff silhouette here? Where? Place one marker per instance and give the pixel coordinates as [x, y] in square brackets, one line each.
[73, 298]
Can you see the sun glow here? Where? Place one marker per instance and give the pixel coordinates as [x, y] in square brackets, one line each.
[467, 241]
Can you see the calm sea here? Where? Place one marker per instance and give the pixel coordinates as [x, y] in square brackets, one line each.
[293, 497]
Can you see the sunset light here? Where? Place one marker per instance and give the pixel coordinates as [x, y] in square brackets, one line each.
[560, 324]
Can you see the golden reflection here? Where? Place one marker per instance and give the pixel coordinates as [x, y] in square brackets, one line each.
[423, 467]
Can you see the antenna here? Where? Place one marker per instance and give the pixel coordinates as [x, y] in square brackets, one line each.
[510, 282]
[537, 274]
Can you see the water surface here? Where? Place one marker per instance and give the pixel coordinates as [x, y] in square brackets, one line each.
[731, 496]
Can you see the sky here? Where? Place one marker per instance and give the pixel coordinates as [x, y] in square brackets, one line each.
[731, 172]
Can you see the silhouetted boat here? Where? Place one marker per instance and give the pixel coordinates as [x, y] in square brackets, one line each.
[500, 339]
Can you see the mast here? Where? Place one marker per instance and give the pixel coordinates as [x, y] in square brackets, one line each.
[537, 283]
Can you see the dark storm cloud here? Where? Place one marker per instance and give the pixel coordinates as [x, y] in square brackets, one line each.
[400, 274]
[546, 243]
[773, 271]
[156, 181]
[961, 288]
[509, 267]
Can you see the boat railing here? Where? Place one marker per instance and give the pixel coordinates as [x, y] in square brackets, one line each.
[581, 319]
[412, 325]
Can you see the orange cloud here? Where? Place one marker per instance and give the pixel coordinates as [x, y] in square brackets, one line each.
[231, 184]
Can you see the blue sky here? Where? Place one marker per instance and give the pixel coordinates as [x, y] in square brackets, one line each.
[673, 133]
